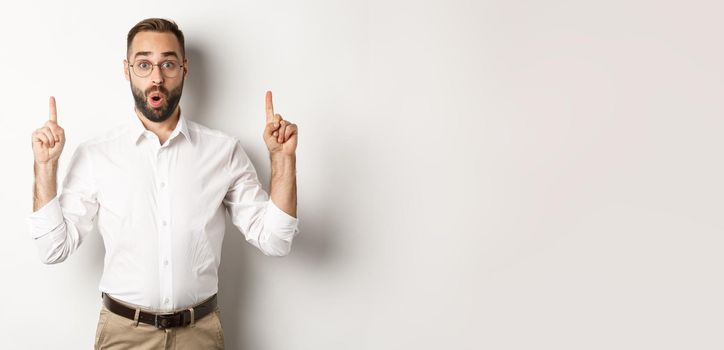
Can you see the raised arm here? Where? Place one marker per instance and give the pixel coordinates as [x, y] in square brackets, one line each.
[59, 223]
[280, 137]
[48, 142]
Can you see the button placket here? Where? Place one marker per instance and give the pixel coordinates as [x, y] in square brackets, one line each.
[164, 234]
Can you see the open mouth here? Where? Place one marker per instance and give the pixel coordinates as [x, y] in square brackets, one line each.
[156, 99]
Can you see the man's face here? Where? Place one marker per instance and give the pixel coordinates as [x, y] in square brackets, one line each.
[156, 95]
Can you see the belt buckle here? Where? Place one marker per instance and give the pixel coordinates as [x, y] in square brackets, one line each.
[163, 321]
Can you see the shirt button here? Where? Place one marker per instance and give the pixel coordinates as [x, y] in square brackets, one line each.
[165, 263]
[163, 223]
[163, 184]
[166, 301]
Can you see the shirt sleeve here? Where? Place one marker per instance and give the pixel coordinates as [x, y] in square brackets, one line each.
[60, 226]
[261, 222]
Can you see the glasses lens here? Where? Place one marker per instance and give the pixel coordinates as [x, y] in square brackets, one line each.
[169, 68]
[142, 68]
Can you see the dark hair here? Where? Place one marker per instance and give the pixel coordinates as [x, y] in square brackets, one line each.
[156, 25]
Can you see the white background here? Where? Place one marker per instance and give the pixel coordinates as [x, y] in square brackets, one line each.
[472, 174]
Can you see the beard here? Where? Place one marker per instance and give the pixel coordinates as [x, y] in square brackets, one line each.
[163, 112]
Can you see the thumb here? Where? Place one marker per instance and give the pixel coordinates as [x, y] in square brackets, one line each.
[270, 128]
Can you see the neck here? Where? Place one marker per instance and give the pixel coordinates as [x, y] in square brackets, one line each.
[163, 129]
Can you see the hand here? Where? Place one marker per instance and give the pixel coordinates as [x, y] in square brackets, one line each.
[280, 135]
[48, 141]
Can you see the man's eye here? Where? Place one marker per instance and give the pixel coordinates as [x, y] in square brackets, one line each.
[144, 65]
[168, 65]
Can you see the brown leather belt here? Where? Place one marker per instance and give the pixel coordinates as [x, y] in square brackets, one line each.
[161, 320]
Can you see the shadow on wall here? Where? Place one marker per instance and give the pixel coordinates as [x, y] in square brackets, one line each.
[196, 84]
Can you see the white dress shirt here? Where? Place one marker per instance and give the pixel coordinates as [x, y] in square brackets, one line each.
[161, 211]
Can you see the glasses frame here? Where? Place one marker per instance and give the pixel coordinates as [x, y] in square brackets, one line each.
[154, 65]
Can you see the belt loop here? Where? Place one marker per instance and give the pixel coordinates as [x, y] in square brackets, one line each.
[135, 317]
[192, 317]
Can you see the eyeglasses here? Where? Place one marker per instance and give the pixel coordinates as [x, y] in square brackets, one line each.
[143, 68]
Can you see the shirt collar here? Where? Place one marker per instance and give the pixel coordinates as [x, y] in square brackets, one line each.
[138, 130]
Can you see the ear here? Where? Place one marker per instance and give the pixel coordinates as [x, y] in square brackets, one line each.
[186, 67]
[125, 69]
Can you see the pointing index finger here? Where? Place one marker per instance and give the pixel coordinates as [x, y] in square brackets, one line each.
[269, 107]
[53, 112]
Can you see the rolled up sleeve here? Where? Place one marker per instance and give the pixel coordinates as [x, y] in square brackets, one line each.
[60, 226]
[262, 223]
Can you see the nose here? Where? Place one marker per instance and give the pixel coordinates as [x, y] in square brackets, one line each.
[156, 76]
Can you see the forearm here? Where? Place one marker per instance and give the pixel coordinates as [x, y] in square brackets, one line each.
[58, 228]
[284, 183]
[45, 187]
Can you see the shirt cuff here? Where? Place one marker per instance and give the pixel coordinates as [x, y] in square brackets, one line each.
[279, 221]
[45, 219]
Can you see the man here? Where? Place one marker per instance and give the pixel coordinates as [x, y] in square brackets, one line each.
[158, 188]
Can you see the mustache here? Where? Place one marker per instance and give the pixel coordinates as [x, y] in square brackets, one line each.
[159, 88]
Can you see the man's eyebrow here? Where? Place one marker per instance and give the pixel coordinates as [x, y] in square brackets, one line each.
[169, 53]
[142, 53]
